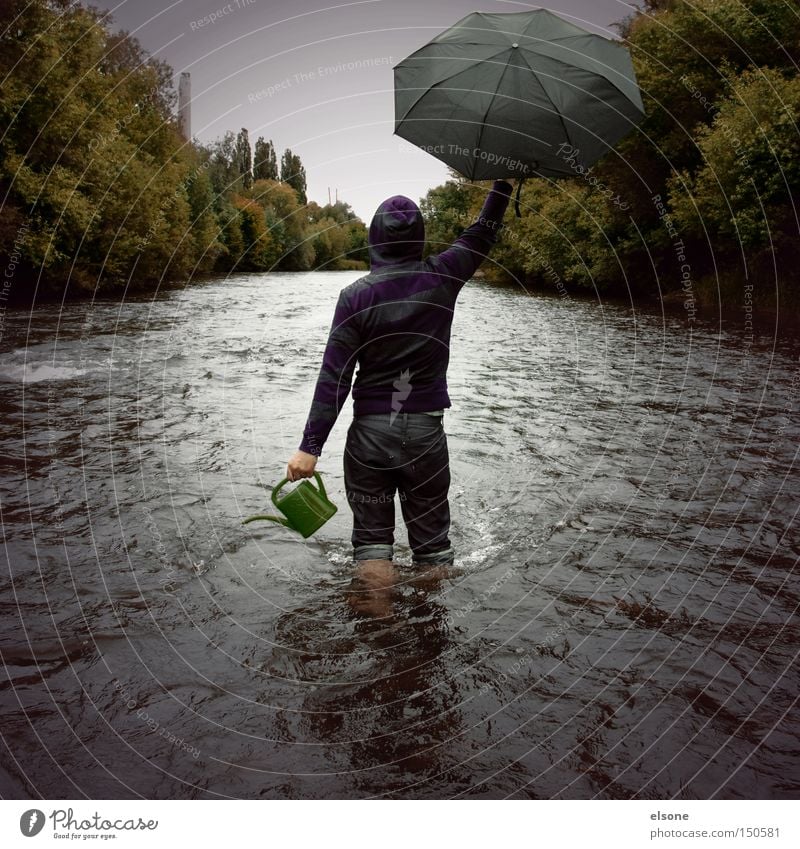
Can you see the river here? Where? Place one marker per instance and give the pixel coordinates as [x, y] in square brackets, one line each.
[623, 622]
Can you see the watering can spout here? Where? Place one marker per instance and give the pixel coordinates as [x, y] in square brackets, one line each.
[306, 508]
[278, 519]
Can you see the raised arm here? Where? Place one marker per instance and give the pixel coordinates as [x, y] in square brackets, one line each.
[461, 260]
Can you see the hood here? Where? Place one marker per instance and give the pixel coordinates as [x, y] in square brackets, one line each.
[397, 232]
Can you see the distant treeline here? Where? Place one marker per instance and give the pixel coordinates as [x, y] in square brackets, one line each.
[98, 190]
[699, 201]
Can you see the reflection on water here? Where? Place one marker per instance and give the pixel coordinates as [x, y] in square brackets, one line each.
[624, 616]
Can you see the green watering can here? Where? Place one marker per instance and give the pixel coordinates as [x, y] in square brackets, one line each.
[306, 508]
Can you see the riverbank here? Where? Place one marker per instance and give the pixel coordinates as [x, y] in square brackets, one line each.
[23, 294]
[709, 300]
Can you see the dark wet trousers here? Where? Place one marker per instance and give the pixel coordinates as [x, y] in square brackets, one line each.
[403, 453]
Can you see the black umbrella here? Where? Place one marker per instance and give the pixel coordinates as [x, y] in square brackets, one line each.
[516, 95]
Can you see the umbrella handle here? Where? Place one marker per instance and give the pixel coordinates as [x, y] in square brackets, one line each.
[520, 181]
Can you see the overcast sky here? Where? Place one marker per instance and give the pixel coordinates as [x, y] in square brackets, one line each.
[285, 69]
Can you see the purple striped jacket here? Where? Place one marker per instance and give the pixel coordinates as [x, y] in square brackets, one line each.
[395, 322]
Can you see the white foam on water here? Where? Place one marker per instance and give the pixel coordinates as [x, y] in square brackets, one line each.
[479, 557]
[39, 372]
[337, 558]
[486, 546]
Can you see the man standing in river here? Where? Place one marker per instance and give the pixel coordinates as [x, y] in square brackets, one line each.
[395, 323]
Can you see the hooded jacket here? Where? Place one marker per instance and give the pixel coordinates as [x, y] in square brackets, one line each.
[395, 322]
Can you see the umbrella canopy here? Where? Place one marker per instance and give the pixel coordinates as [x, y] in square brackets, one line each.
[516, 95]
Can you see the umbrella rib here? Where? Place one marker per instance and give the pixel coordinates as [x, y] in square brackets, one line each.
[439, 82]
[419, 50]
[566, 37]
[491, 102]
[581, 33]
[555, 108]
[594, 73]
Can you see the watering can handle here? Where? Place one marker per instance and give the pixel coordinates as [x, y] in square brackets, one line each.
[321, 485]
[277, 489]
[283, 483]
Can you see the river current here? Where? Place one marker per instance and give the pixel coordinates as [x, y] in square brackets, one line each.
[623, 622]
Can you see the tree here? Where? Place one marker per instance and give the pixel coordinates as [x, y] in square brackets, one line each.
[329, 241]
[99, 189]
[91, 159]
[258, 241]
[205, 228]
[340, 236]
[233, 245]
[244, 158]
[286, 216]
[339, 211]
[293, 173]
[447, 212]
[224, 169]
[265, 165]
[742, 190]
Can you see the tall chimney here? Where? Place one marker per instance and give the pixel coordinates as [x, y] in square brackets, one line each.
[185, 105]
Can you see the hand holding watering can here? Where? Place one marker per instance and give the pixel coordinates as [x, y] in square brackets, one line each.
[306, 508]
[301, 465]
